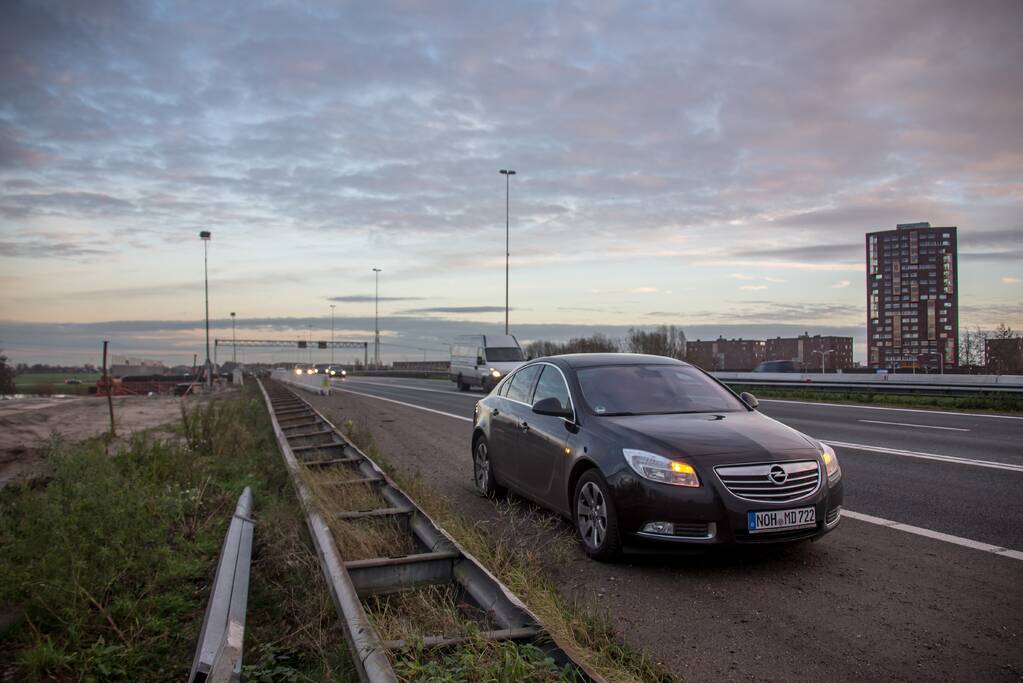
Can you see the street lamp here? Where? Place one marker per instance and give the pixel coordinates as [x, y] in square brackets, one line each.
[823, 355]
[376, 318]
[507, 173]
[332, 334]
[309, 342]
[205, 236]
[234, 342]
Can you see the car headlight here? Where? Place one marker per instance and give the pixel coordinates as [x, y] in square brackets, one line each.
[660, 469]
[298, 371]
[496, 374]
[344, 372]
[831, 465]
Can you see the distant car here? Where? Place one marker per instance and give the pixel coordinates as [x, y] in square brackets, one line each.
[645, 451]
[72, 380]
[777, 366]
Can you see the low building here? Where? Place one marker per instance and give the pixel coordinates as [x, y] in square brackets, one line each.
[806, 351]
[124, 366]
[727, 355]
[1004, 356]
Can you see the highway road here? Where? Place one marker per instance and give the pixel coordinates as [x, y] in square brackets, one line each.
[939, 599]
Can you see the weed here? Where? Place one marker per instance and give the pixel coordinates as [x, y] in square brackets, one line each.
[482, 661]
[110, 565]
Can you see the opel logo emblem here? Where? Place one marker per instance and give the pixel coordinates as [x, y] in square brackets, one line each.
[777, 475]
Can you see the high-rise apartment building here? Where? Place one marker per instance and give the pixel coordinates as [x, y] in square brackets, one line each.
[912, 297]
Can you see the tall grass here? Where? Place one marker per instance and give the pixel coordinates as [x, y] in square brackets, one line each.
[108, 569]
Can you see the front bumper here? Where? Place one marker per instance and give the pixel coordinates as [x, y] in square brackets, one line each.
[710, 515]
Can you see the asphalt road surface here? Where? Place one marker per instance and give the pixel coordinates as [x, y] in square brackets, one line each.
[868, 601]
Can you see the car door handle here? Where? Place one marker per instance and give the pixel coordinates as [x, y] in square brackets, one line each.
[524, 426]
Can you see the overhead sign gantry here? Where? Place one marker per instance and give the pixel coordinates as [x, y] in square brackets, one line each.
[295, 344]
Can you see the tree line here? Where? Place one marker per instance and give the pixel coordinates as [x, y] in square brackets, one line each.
[666, 340]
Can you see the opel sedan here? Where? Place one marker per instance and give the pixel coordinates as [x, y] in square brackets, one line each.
[645, 452]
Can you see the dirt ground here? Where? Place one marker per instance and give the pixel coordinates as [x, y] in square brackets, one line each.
[28, 424]
[862, 604]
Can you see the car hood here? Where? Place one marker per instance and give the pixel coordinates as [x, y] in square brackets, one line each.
[700, 435]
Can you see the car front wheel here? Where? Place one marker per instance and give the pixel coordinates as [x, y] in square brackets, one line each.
[483, 471]
[595, 518]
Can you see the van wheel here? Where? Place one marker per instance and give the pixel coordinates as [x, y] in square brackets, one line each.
[462, 386]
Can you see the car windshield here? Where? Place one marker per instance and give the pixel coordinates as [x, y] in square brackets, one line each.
[653, 390]
[504, 354]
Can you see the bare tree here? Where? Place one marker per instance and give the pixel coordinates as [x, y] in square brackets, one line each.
[666, 340]
[6, 377]
[598, 343]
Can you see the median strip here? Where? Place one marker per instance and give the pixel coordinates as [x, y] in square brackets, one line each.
[927, 456]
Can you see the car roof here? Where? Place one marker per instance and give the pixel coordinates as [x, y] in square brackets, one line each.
[586, 360]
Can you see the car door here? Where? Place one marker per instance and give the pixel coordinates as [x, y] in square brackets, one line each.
[511, 408]
[542, 441]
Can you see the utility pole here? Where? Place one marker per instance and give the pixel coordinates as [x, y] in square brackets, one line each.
[234, 342]
[332, 335]
[376, 319]
[205, 236]
[507, 173]
[110, 390]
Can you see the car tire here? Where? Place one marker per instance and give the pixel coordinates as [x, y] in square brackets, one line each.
[595, 517]
[483, 472]
[462, 386]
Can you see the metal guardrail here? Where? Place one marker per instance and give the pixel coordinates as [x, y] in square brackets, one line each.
[883, 383]
[218, 655]
[309, 441]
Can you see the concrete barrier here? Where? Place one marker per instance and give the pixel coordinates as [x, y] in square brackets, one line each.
[316, 384]
[882, 382]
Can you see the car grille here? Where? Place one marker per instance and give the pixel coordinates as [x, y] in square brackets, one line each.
[761, 482]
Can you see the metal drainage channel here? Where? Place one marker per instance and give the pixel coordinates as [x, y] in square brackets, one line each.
[309, 441]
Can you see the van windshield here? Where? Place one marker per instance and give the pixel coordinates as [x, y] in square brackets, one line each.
[504, 354]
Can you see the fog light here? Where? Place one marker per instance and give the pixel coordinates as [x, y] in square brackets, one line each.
[665, 528]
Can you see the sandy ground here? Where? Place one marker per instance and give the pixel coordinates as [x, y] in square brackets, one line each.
[864, 603]
[28, 424]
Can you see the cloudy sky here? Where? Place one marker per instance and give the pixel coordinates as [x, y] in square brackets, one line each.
[711, 165]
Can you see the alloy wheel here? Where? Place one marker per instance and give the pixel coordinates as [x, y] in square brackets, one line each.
[591, 514]
[481, 465]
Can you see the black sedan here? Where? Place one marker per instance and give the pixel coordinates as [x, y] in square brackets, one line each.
[649, 452]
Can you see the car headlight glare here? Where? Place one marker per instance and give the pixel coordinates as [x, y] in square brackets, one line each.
[660, 469]
[496, 374]
[831, 465]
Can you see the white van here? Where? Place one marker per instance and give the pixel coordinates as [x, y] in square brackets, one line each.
[483, 359]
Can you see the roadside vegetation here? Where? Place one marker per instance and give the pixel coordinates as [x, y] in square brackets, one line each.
[105, 571]
[49, 383]
[522, 571]
[979, 403]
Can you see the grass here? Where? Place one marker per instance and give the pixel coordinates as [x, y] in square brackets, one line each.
[520, 566]
[980, 403]
[107, 570]
[415, 614]
[48, 383]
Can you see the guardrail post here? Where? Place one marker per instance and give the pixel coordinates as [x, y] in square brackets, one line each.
[218, 655]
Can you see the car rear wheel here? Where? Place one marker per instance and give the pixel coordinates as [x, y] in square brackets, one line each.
[595, 518]
[483, 472]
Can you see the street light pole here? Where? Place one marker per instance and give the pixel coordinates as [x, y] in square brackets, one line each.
[376, 318]
[234, 342]
[507, 173]
[205, 236]
[823, 355]
[332, 335]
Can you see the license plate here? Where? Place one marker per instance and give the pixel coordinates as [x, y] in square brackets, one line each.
[777, 520]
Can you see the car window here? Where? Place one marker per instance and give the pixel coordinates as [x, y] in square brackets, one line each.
[551, 385]
[653, 390]
[504, 354]
[521, 383]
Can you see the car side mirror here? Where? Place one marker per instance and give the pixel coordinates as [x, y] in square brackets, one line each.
[552, 406]
[479, 360]
[749, 399]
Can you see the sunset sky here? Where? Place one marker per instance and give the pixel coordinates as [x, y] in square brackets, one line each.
[709, 165]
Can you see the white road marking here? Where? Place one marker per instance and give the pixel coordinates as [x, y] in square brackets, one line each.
[906, 424]
[937, 535]
[928, 456]
[409, 405]
[436, 391]
[904, 410]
